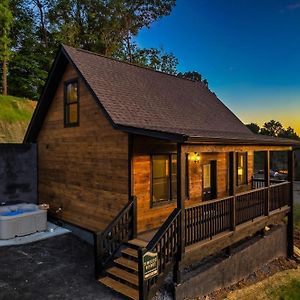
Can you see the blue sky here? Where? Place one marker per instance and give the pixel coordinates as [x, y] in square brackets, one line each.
[249, 50]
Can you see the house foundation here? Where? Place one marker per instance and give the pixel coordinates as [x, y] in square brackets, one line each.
[244, 259]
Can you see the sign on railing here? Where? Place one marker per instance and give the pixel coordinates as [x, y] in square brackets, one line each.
[150, 265]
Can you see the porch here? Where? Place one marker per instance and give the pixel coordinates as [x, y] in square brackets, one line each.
[191, 232]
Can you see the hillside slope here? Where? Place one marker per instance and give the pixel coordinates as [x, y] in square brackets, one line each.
[15, 115]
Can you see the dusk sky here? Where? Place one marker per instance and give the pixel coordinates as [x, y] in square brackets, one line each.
[249, 50]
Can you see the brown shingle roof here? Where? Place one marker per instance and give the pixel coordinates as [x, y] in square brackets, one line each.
[142, 98]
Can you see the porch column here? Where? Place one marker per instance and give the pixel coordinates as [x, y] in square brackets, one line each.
[290, 224]
[232, 187]
[267, 180]
[180, 205]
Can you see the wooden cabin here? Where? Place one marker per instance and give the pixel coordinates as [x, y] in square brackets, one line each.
[152, 164]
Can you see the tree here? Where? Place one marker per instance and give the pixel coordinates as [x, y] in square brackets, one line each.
[28, 68]
[102, 26]
[191, 75]
[288, 133]
[271, 128]
[274, 128]
[156, 59]
[5, 23]
[253, 127]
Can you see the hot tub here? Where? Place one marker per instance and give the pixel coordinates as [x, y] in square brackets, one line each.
[21, 219]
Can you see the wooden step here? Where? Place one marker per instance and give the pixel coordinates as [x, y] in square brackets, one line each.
[129, 264]
[120, 287]
[137, 243]
[124, 275]
[130, 252]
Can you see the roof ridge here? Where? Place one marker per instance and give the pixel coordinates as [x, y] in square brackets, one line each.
[136, 65]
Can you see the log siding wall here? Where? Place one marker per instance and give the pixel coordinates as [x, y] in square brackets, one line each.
[82, 170]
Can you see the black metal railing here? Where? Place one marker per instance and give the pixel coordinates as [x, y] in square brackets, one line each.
[108, 242]
[166, 243]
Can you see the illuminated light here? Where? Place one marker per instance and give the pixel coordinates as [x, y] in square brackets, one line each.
[240, 171]
[195, 157]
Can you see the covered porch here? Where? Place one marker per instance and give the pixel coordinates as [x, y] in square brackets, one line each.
[203, 218]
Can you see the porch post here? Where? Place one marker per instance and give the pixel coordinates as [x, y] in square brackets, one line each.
[232, 187]
[180, 205]
[267, 180]
[290, 224]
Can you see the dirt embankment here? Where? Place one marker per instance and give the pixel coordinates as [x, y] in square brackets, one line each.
[12, 132]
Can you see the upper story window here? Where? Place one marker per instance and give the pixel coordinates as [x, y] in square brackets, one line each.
[164, 178]
[241, 165]
[71, 96]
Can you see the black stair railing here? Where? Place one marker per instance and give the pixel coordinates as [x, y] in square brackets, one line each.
[108, 242]
[166, 244]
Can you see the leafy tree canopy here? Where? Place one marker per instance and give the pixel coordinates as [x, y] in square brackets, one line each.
[253, 127]
[274, 128]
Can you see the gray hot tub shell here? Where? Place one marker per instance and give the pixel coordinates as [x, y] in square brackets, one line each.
[31, 220]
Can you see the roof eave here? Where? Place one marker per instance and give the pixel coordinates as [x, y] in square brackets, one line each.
[175, 137]
[231, 141]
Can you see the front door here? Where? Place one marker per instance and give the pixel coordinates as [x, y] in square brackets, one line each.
[209, 180]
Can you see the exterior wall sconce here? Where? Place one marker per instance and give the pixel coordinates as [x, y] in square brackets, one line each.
[195, 157]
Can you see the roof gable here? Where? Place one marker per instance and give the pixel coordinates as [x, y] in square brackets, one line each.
[139, 97]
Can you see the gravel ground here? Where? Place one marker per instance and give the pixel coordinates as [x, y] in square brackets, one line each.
[56, 268]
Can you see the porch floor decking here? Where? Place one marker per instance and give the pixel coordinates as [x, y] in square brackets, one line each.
[147, 235]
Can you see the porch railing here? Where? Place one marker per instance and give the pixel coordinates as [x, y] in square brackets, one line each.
[207, 219]
[279, 195]
[108, 242]
[250, 205]
[166, 243]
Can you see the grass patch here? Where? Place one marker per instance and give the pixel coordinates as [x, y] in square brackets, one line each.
[14, 109]
[290, 291]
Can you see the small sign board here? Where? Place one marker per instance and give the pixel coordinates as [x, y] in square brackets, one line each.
[150, 265]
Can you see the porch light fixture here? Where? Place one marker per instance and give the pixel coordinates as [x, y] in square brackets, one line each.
[195, 157]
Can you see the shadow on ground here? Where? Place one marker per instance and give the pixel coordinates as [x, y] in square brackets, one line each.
[56, 268]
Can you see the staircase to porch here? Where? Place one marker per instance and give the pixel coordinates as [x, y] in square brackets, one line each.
[123, 277]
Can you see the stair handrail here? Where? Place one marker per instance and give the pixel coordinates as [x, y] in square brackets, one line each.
[166, 260]
[108, 242]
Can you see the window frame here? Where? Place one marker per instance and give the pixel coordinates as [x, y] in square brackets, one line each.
[164, 202]
[245, 155]
[66, 104]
